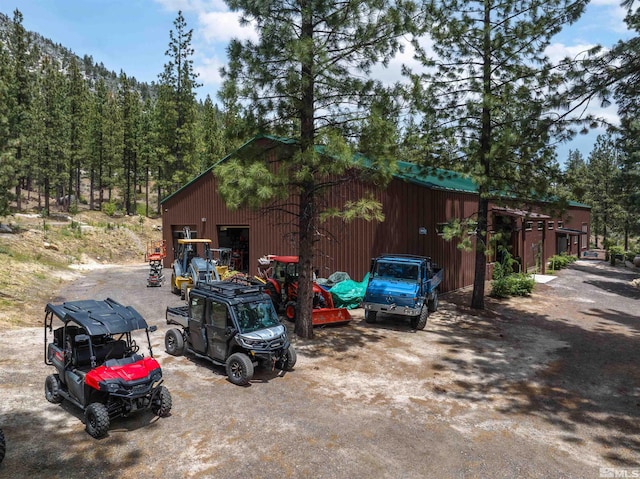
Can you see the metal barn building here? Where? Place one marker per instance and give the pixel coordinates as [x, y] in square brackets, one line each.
[416, 207]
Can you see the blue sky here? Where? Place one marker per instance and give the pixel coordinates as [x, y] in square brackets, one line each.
[133, 35]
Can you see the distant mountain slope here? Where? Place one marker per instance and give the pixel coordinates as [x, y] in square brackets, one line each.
[92, 70]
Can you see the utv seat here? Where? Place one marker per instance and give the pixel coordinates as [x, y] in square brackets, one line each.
[103, 352]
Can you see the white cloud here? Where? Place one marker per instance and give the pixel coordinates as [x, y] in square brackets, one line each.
[222, 26]
[208, 71]
[558, 51]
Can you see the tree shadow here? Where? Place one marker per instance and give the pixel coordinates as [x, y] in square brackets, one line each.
[583, 380]
[622, 289]
[346, 341]
[42, 445]
[607, 271]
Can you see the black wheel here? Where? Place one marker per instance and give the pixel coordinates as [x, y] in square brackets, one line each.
[289, 359]
[161, 403]
[419, 322]
[370, 316]
[174, 342]
[52, 389]
[3, 446]
[290, 311]
[97, 420]
[433, 303]
[239, 369]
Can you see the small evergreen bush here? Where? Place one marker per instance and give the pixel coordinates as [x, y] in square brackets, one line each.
[560, 261]
[109, 208]
[507, 283]
[517, 284]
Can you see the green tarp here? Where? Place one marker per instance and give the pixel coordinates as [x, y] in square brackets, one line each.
[349, 293]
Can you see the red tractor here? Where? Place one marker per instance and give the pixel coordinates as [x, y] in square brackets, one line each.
[281, 284]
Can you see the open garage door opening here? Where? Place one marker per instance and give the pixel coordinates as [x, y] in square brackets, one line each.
[236, 238]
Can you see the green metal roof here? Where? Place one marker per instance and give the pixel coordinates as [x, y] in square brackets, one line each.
[434, 178]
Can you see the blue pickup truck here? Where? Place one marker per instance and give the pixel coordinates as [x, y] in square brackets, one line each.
[403, 285]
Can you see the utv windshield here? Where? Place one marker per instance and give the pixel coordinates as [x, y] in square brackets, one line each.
[255, 316]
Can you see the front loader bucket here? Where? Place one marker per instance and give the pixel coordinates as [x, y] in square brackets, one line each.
[323, 316]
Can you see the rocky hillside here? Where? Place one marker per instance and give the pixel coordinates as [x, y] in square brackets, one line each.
[39, 254]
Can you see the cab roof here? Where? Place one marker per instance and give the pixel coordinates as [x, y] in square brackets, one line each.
[99, 317]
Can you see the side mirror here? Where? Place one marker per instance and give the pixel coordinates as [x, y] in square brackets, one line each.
[229, 331]
[153, 329]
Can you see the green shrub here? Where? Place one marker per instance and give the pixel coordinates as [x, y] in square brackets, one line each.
[518, 284]
[109, 208]
[560, 261]
[615, 252]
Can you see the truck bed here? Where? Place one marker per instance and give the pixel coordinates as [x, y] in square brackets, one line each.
[178, 315]
[435, 280]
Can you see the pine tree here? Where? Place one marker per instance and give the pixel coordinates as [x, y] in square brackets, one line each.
[604, 193]
[52, 154]
[96, 142]
[77, 99]
[21, 90]
[7, 159]
[624, 71]
[129, 103]
[177, 105]
[212, 134]
[486, 102]
[575, 176]
[307, 76]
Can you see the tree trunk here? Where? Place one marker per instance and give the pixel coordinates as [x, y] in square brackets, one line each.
[304, 314]
[477, 299]
[307, 213]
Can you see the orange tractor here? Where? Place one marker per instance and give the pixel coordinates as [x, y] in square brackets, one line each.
[280, 277]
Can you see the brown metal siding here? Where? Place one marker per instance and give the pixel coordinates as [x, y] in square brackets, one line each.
[346, 247]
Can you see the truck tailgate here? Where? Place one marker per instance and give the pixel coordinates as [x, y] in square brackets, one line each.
[178, 315]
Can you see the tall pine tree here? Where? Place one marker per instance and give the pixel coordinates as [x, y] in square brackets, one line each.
[485, 99]
[177, 108]
[308, 75]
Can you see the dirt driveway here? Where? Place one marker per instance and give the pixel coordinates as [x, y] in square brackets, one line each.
[547, 386]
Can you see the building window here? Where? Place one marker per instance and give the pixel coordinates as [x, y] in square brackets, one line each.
[528, 226]
[540, 225]
[550, 225]
[584, 235]
[560, 224]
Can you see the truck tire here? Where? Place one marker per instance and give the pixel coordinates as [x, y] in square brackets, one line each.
[97, 420]
[419, 322]
[162, 403]
[3, 446]
[433, 302]
[174, 342]
[370, 316]
[239, 369]
[289, 359]
[290, 311]
[52, 389]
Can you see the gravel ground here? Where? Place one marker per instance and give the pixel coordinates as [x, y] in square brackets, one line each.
[540, 387]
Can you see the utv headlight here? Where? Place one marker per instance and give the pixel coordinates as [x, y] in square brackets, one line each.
[113, 387]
